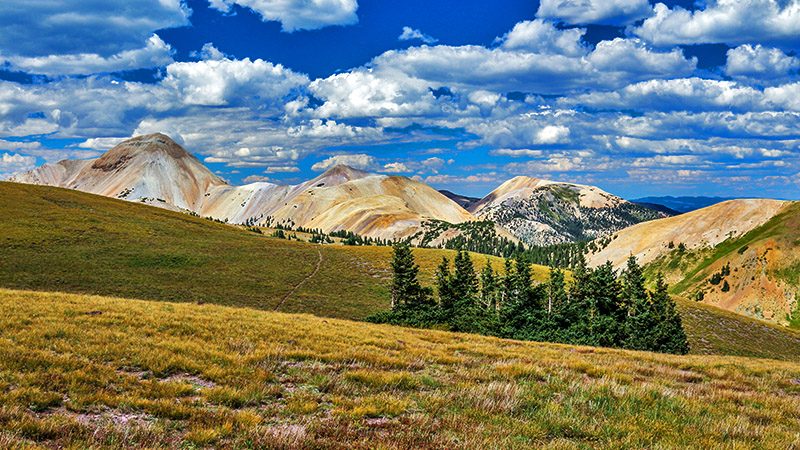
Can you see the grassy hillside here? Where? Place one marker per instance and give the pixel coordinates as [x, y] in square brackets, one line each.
[60, 240]
[55, 239]
[160, 374]
[764, 269]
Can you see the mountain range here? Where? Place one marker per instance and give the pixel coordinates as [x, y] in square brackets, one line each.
[154, 169]
[741, 255]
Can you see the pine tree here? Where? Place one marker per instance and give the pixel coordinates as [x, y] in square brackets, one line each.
[489, 287]
[670, 337]
[522, 278]
[507, 283]
[556, 291]
[444, 282]
[634, 291]
[521, 316]
[641, 319]
[405, 285]
[607, 316]
[464, 285]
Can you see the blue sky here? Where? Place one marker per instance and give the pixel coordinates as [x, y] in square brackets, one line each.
[681, 98]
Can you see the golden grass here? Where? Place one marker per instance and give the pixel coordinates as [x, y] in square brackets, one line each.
[86, 371]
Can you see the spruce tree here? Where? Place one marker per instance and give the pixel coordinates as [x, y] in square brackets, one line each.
[577, 312]
[411, 303]
[522, 278]
[670, 337]
[507, 283]
[464, 284]
[556, 301]
[606, 325]
[405, 285]
[634, 291]
[489, 287]
[444, 287]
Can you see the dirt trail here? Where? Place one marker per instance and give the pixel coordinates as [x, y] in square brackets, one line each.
[302, 282]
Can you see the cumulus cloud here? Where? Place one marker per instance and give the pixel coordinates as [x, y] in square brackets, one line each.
[731, 22]
[760, 63]
[226, 81]
[364, 92]
[520, 152]
[13, 163]
[606, 12]
[155, 53]
[412, 34]
[396, 167]
[74, 27]
[539, 36]
[550, 72]
[694, 94]
[209, 52]
[297, 14]
[358, 161]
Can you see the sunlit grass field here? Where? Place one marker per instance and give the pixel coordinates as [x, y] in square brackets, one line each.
[84, 371]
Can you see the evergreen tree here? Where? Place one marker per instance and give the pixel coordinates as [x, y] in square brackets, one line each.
[405, 286]
[464, 285]
[634, 293]
[606, 326]
[669, 335]
[556, 292]
[556, 301]
[507, 283]
[489, 287]
[522, 278]
[444, 283]
[522, 315]
[576, 314]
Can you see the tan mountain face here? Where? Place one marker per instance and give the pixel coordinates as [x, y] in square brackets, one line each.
[151, 168]
[155, 169]
[543, 212]
[740, 255]
[703, 228]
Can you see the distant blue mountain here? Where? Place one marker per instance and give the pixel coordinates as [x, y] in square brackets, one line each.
[681, 204]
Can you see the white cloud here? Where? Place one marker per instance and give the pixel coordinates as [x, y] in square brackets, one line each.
[503, 70]
[156, 53]
[282, 169]
[552, 134]
[460, 180]
[209, 52]
[539, 36]
[12, 164]
[101, 143]
[607, 12]
[412, 34]
[258, 179]
[226, 81]
[759, 63]
[694, 94]
[298, 14]
[633, 59]
[105, 28]
[368, 93]
[731, 22]
[396, 167]
[358, 161]
[516, 152]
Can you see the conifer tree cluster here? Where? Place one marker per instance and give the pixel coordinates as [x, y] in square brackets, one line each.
[598, 307]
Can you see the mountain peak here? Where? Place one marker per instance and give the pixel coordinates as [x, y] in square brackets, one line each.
[144, 144]
[340, 173]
